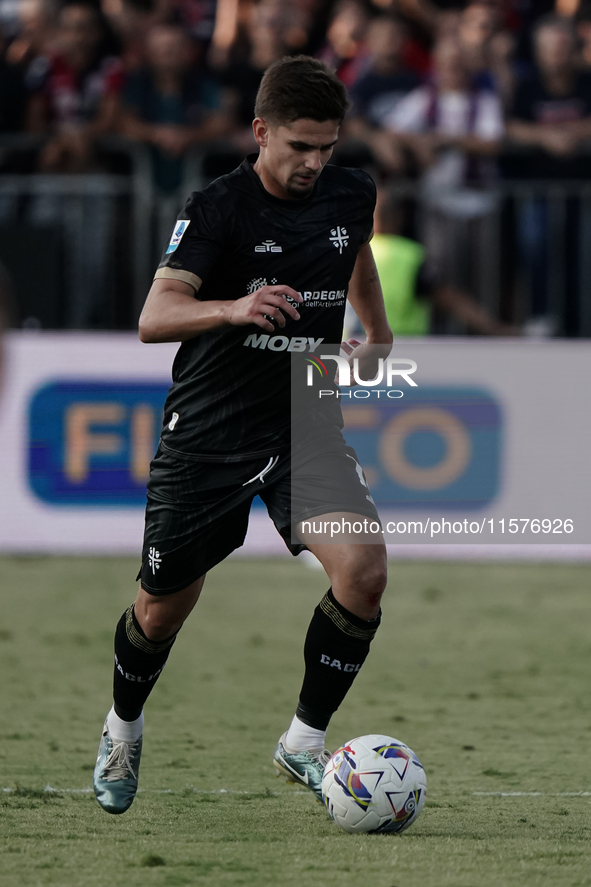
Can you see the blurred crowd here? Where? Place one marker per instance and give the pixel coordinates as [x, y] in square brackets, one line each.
[454, 95]
[436, 86]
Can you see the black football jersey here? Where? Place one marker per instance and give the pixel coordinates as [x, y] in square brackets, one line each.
[230, 396]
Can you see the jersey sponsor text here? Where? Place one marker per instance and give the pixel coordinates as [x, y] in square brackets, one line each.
[281, 343]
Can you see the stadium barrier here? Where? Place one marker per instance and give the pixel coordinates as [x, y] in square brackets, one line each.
[520, 246]
[489, 456]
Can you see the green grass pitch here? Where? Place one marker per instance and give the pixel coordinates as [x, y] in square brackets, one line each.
[484, 670]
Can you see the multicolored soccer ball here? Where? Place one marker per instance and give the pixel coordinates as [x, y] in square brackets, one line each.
[374, 784]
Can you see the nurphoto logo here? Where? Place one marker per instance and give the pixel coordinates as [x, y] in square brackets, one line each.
[387, 369]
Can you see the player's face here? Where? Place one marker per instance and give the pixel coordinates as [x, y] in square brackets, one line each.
[293, 156]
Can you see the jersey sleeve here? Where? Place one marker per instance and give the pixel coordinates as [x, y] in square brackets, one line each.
[195, 244]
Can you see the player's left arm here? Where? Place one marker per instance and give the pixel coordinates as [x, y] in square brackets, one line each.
[365, 295]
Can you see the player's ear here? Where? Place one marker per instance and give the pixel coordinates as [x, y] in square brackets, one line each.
[261, 131]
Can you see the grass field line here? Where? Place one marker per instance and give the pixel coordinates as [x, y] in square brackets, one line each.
[533, 794]
[189, 789]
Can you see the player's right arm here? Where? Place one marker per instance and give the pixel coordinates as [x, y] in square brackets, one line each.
[173, 314]
[173, 311]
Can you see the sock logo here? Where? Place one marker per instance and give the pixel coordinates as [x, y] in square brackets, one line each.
[336, 663]
[133, 677]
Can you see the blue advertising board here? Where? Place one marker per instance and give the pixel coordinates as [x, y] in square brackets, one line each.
[91, 443]
[436, 446]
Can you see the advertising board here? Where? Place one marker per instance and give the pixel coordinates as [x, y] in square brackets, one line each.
[489, 451]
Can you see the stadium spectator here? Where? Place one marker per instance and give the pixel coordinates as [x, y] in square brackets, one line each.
[451, 129]
[344, 50]
[584, 33]
[552, 108]
[486, 48]
[377, 92]
[36, 33]
[76, 94]
[428, 11]
[243, 75]
[130, 20]
[171, 106]
[567, 7]
[424, 12]
[300, 25]
[551, 116]
[196, 17]
[75, 101]
[12, 94]
[452, 132]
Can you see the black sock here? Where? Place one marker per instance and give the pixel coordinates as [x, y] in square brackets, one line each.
[336, 647]
[138, 663]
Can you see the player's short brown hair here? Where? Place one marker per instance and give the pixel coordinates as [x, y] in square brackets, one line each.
[300, 87]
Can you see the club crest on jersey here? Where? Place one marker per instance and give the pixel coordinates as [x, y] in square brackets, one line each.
[256, 283]
[339, 238]
[268, 246]
[179, 229]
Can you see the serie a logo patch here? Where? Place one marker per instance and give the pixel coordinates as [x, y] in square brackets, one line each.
[177, 235]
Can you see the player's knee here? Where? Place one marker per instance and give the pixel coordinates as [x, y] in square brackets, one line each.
[372, 583]
[366, 578]
[156, 623]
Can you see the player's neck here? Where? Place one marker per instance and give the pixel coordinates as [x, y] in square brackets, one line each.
[271, 184]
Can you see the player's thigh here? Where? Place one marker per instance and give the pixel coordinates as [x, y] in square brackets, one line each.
[323, 496]
[196, 515]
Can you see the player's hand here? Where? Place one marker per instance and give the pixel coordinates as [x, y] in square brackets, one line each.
[268, 302]
[367, 356]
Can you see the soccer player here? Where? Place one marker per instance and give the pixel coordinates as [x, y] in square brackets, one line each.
[258, 266]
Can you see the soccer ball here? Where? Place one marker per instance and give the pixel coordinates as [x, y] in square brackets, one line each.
[374, 784]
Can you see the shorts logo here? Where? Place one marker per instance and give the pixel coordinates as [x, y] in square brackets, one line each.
[154, 559]
[173, 421]
[268, 246]
[339, 238]
[360, 474]
[179, 229]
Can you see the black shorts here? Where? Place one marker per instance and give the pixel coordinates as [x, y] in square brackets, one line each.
[197, 512]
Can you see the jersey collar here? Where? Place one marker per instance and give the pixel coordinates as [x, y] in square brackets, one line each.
[247, 166]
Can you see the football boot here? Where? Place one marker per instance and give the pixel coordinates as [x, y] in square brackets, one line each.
[116, 772]
[302, 767]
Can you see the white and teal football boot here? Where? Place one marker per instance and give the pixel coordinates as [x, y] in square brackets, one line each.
[116, 772]
[302, 767]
